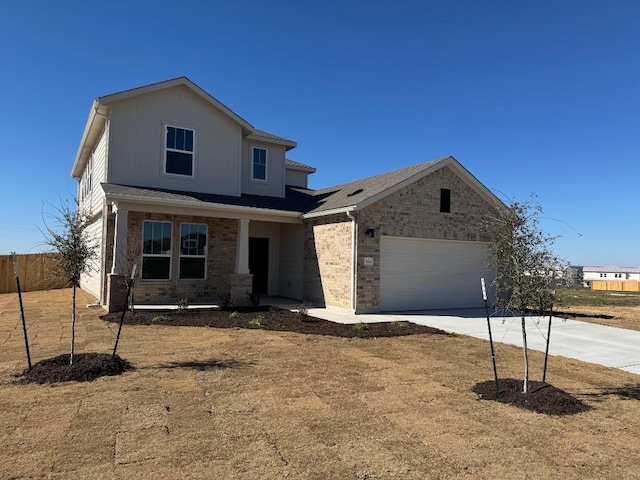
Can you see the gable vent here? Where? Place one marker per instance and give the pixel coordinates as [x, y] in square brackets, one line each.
[355, 193]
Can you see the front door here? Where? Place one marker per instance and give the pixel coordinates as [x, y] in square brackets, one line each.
[259, 263]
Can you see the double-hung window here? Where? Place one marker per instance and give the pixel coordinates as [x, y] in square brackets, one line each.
[193, 250]
[259, 164]
[156, 250]
[179, 153]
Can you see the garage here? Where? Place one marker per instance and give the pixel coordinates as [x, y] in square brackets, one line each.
[422, 274]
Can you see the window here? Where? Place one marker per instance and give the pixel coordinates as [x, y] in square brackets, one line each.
[193, 250]
[179, 151]
[259, 164]
[445, 200]
[156, 250]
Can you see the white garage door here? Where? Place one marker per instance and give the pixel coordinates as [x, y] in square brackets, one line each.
[420, 274]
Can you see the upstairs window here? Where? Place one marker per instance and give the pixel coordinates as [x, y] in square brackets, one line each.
[179, 151]
[156, 250]
[193, 250]
[445, 200]
[259, 164]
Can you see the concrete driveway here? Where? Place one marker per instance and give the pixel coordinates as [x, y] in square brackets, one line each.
[588, 342]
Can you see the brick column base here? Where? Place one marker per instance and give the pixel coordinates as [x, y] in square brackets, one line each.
[116, 292]
[240, 286]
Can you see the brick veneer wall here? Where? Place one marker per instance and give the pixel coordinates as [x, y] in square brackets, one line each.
[221, 258]
[327, 261]
[414, 211]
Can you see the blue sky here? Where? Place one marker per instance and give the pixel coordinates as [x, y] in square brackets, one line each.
[532, 97]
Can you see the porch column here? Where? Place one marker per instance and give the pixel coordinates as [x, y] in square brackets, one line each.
[241, 280]
[116, 289]
[120, 242]
[242, 247]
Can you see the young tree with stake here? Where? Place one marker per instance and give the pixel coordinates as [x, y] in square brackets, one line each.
[526, 266]
[75, 249]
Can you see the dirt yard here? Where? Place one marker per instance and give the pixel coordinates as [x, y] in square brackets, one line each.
[255, 404]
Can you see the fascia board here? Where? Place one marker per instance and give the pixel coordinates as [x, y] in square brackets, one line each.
[95, 124]
[257, 138]
[301, 169]
[325, 213]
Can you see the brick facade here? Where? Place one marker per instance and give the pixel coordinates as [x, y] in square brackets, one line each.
[327, 261]
[221, 259]
[413, 211]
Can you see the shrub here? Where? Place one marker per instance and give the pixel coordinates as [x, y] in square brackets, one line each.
[183, 303]
[225, 300]
[254, 299]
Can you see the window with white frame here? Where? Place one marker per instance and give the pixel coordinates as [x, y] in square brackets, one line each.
[179, 151]
[193, 250]
[156, 250]
[259, 164]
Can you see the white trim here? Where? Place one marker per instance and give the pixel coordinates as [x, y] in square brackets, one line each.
[157, 255]
[289, 144]
[165, 149]
[252, 177]
[205, 256]
[334, 211]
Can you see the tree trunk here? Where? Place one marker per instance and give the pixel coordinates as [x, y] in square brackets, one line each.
[525, 384]
[73, 324]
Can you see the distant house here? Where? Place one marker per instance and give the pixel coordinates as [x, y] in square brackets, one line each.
[590, 273]
[210, 207]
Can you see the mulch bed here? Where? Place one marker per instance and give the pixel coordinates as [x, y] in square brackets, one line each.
[86, 367]
[269, 318]
[541, 398]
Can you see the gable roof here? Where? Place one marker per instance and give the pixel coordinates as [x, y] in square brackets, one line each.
[304, 202]
[100, 108]
[356, 195]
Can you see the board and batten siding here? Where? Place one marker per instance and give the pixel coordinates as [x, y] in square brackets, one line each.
[94, 172]
[137, 135]
[291, 261]
[91, 281]
[274, 185]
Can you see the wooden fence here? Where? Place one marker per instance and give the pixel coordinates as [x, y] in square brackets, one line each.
[36, 273]
[616, 285]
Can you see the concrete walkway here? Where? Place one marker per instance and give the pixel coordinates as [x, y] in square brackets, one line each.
[588, 342]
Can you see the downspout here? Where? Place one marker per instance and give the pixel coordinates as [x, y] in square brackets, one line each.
[354, 238]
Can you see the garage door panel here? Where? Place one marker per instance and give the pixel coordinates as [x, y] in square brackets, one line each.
[418, 274]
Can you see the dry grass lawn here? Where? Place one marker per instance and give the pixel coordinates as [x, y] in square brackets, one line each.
[251, 404]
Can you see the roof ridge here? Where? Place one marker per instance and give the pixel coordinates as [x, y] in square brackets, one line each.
[417, 167]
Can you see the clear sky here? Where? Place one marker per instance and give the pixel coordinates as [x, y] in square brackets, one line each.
[532, 97]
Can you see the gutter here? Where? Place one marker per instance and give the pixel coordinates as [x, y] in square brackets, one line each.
[354, 238]
[334, 211]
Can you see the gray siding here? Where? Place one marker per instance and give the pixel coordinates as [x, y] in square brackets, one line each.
[291, 261]
[274, 186]
[136, 142]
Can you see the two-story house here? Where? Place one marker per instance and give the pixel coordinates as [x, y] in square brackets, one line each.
[608, 273]
[208, 206]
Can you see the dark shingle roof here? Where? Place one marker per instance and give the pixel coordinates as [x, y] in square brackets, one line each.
[304, 201]
[353, 193]
[294, 201]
